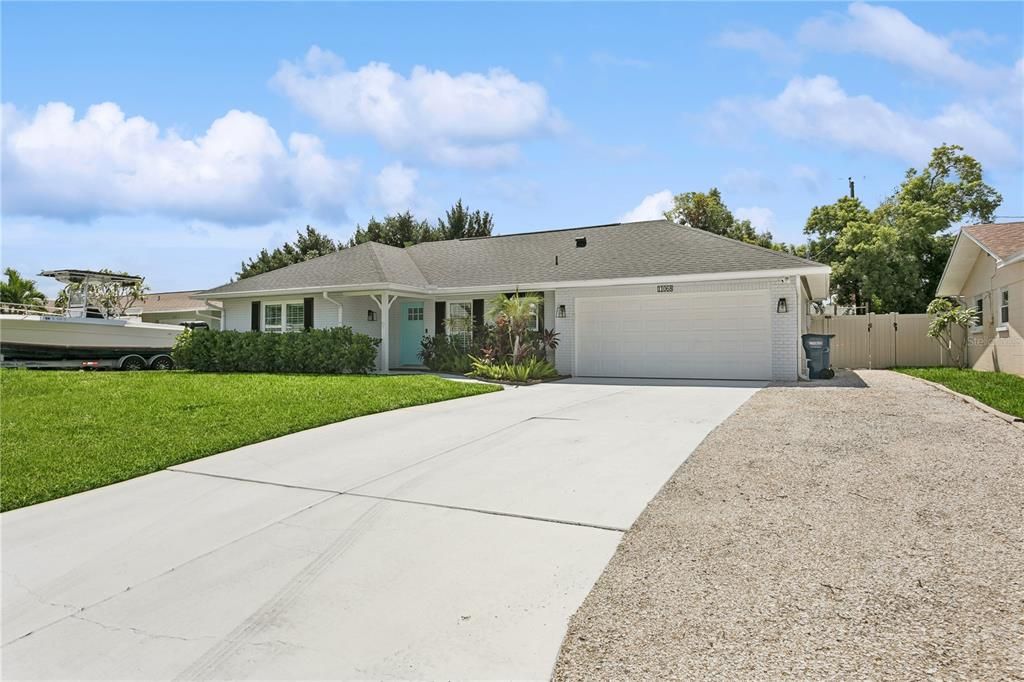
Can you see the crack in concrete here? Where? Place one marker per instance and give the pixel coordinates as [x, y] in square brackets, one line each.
[138, 631]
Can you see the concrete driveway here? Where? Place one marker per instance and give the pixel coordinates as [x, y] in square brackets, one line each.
[451, 540]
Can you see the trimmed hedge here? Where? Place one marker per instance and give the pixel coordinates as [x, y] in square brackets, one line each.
[314, 351]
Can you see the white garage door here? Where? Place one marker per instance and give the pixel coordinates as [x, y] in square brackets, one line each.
[694, 336]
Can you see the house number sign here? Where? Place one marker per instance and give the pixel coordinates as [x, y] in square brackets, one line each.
[664, 288]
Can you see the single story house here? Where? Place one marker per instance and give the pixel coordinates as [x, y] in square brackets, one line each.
[986, 271]
[174, 307]
[644, 299]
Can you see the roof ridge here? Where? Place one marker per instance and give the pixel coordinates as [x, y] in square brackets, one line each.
[405, 253]
[376, 258]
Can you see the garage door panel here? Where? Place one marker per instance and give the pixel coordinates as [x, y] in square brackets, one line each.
[709, 336]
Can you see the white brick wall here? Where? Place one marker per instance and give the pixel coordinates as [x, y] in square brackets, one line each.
[784, 329]
[238, 311]
[785, 337]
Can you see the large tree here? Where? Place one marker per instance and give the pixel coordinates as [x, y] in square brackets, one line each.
[404, 229]
[892, 257]
[21, 291]
[400, 229]
[460, 223]
[706, 211]
[310, 244]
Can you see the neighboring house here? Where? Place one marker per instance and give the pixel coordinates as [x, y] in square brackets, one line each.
[174, 307]
[986, 271]
[647, 299]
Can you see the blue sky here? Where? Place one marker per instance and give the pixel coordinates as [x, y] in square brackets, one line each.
[174, 140]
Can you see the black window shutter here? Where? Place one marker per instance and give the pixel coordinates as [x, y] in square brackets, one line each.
[307, 313]
[439, 315]
[478, 312]
[255, 316]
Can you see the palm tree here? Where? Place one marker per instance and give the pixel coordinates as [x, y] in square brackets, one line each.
[21, 291]
[513, 314]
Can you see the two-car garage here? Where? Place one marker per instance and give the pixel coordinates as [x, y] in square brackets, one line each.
[700, 335]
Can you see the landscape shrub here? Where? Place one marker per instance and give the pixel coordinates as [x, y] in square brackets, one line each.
[528, 370]
[314, 351]
[504, 348]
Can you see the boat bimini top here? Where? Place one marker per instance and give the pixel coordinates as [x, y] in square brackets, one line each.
[74, 276]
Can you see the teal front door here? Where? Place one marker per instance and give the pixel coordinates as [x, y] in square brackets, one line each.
[412, 329]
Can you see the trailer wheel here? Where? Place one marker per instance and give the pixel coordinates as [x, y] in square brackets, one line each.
[133, 363]
[161, 362]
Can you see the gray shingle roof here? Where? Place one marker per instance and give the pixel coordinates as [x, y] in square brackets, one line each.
[645, 249]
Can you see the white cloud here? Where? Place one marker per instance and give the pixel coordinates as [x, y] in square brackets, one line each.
[766, 44]
[106, 163]
[652, 207]
[760, 217]
[818, 109]
[889, 34]
[395, 187]
[469, 119]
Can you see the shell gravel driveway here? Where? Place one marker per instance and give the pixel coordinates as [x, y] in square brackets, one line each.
[872, 531]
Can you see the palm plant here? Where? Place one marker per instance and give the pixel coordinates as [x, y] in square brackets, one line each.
[512, 315]
[21, 291]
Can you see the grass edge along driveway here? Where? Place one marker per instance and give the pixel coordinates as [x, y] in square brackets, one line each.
[1005, 392]
[67, 432]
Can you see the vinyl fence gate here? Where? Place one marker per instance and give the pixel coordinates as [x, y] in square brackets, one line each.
[876, 341]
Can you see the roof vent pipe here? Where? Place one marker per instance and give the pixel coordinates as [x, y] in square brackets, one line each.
[581, 242]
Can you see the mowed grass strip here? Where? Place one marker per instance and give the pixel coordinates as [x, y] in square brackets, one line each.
[1005, 392]
[66, 432]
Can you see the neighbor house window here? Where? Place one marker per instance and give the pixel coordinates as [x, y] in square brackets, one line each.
[284, 317]
[979, 318]
[1004, 306]
[460, 322]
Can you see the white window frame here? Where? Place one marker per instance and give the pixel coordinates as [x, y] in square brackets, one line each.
[282, 328]
[465, 334]
[535, 316]
[978, 325]
[1003, 321]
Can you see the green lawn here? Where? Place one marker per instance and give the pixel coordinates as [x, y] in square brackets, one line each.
[65, 432]
[1005, 392]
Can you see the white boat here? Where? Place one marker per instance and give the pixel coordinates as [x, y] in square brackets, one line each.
[83, 334]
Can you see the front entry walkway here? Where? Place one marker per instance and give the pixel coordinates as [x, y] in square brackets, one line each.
[451, 540]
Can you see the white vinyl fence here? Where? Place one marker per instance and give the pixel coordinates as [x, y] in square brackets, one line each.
[879, 341]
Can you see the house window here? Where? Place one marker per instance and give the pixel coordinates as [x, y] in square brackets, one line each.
[1004, 306]
[460, 322]
[415, 313]
[979, 318]
[272, 317]
[534, 318]
[295, 317]
[284, 317]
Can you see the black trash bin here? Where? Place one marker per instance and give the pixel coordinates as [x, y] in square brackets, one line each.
[817, 348]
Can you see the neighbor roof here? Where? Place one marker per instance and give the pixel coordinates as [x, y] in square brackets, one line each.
[1002, 240]
[172, 302]
[622, 250]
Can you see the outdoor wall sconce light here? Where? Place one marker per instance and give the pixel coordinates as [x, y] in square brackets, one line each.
[561, 310]
[782, 307]
[371, 316]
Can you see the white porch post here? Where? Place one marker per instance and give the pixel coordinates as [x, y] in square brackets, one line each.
[384, 301]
